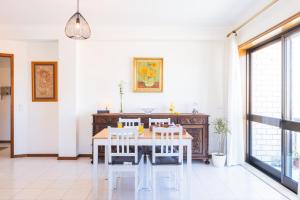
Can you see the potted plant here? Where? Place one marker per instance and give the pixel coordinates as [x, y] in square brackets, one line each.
[221, 128]
[296, 159]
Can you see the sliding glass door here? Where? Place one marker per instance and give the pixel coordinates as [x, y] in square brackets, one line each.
[274, 108]
[291, 124]
[266, 107]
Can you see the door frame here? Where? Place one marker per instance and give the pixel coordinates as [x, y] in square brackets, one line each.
[11, 57]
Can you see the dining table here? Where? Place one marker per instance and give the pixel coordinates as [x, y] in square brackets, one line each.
[144, 139]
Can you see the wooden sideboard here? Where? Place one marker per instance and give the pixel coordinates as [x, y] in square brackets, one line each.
[195, 124]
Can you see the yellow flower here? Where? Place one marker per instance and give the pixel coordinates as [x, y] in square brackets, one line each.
[144, 71]
[154, 65]
[151, 74]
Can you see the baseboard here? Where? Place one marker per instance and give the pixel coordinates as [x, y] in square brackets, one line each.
[53, 155]
[42, 155]
[75, 158]
[4, 141]
[84, 155]
[20, 156]
[67, 158]
[35, 155]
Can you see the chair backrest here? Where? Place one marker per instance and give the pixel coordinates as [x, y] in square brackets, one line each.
[130, 122]
[159, 121]
[122, 142]
[170, 142]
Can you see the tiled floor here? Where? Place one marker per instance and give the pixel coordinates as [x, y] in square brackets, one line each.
[47, 178]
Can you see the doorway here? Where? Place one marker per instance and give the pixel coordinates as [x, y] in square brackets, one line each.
[7, 101]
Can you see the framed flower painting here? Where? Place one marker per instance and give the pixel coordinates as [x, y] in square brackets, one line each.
[148, 74]
[44, 81]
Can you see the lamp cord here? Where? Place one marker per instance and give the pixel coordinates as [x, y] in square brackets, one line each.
[77, 5]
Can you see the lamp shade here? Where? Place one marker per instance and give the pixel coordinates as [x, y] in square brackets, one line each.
[77, 27]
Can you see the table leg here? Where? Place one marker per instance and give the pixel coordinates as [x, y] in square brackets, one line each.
[189, 154]
[95, 183]
[95, 155]
[189, 169]
[106, 155]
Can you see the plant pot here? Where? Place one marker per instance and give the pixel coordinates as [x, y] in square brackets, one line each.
[218, 159]
[296, 162]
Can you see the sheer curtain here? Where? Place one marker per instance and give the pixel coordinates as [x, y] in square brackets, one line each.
[235, 140]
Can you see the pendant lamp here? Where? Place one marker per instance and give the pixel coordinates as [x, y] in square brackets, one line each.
[77, 27]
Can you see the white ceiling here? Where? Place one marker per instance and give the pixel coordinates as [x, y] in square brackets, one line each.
[205, 13]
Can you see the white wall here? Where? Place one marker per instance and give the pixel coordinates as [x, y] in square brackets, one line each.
[282, 10]
[43, 116]
[5, 100]
[67, 98]
[279, 12]
[21, 74]
[196, 56]
[36, 124]
[193, 72]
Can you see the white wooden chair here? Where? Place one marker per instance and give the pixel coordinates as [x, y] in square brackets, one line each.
[130, 122]
[169, 142]
[122, 158]
[167, 155]
[159, 121]
[123, 139]
[156, 122]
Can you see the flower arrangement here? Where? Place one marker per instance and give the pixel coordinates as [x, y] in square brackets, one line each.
[147, 73]
[121, 90]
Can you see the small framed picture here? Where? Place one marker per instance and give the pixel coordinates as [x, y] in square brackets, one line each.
[44, 81]
[148, 74]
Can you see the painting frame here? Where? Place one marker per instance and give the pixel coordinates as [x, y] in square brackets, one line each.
[137, 84]
[54, 83]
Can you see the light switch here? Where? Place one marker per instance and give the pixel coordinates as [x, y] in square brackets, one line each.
[20, 107]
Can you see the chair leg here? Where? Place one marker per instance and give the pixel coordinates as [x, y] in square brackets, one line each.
[181, 183]
[136, 184]
[153, 175]
[181, 173]
[176, 179]
[110, 183]
[180, 154]
[171, 178]
[115, 178]
[144, 177]
[149, 174]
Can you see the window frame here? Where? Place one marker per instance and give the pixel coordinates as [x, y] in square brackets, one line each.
[282, 123]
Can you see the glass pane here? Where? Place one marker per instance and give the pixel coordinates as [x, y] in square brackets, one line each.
[293, 155]
[295, 74]
[266, 81]
[293, 107]
[266, 144]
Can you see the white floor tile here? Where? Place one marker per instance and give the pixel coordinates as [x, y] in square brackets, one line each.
[27, 194]
[8, 193]
[47, 178]
[52, 194]
[76, 194]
